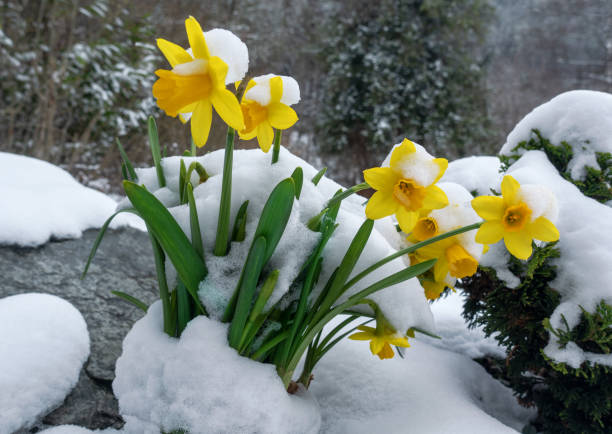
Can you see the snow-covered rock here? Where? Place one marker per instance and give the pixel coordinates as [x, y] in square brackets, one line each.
[39, 201]
[44, 343]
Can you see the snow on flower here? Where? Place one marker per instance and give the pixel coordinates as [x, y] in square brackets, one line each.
[522, 214]
[198, 77]
[265, 106]
[407, 186]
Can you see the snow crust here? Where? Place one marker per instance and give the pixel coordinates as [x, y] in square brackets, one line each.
[418, 166]
[200, 384]
[477, 174]
[44, 343]
[39, 201]
[582, 118]
[261, 91]
[253, 179]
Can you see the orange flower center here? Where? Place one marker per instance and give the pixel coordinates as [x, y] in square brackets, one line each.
[516, 217]
[409, 194]
[254, 114]
[425, 228]
[174, 92]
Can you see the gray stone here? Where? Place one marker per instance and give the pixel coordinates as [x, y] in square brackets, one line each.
[124, 262]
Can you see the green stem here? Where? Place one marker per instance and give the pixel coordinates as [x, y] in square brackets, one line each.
[223, 224]
[346, 193]
[276, 145]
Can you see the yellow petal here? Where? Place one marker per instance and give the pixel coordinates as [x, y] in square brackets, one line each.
[406, 219]
[281, 116]
[440, 269]
[361, 336]
[489, 207]
[543, 229]
[381, 204]
[401, 152]
[426, 227]
[227, 106]
[381, 178]
[196, 39]
[276, 89]
[376, 345]
[175, 54]
[490, 232]
[399, 341]
[443, 165]
[509, 188]
[217, 69]
[460, 263]
[200, 123]
[518, 244]
[248, 136]
[432, 289]
[386, 352]
[265, 136]
[435, 198]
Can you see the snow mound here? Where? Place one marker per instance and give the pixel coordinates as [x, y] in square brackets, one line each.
[40, 201]
[44, 343]
[200, 384]
[582, 118]
[254, 178]
[429, 391]
[476, 174]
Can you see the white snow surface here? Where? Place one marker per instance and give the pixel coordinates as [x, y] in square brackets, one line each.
[585, 227]
[418, 166]
[476, 174]
[231, 50]
[39, 201]
[454, 333]
[582, 118]
[260, 93]
[429, 391]
[44, 343]
[200, 384]
[254, 178]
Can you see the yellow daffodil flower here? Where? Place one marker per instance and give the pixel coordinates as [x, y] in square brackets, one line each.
[407, 186]
[196, 84]
[265, 105]
[518, 217]
[380, 342]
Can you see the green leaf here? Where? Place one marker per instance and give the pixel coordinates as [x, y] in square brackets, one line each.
[126, 161]
[124, 173]
[194, 223]
[346, 267]
[298, 178]
[182, 180]
[130, 299]
[315, 179]
[222, 239]
[186, 260]
[101, 233]
[246, 289]
[183, 307]
[275, 215]
[260, 303]
[271, 226]
[239, 232]
[156, 152]
[164, 294]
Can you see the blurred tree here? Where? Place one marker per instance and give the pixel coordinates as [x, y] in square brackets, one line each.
[403, 68]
